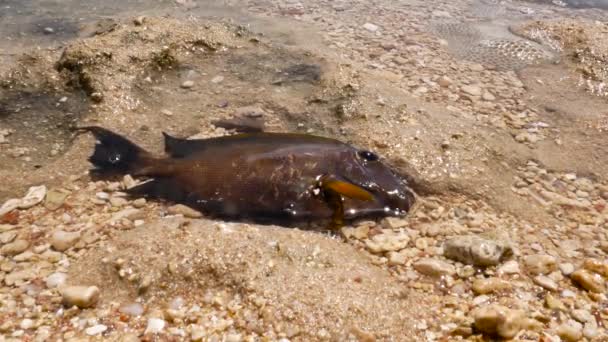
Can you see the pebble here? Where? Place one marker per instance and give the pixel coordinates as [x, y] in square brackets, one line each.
[388, 241]
[487, 96]
[589, 281]
[19, 276]
[596, 266]
[540, 264]
[471, 90]
[396, 258]
[15, 247]
[104, 196]
[96, 329]
[132, 309]
[444, 81]
[477, 251]
[509, 267]
[370, 27]
[118, 201]
[490, 285]
[217, 79]
[26, 324]
[48, 30]
[56, 279]
[7, 237]
[187, 84]
[155, 326]
[566, 268]
[545, 282]
[498, 320]
[570, 331]
[62, 240]
[434, 267]
[590, 331]
[55, 199]
[184, 210]
[80, 296]
[139, 203]
[582, 316]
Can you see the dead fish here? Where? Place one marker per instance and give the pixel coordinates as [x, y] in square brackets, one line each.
[263, 177]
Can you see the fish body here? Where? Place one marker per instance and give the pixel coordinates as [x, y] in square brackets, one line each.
[280, 177]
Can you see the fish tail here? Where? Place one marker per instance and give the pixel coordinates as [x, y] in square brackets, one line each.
[115, 153]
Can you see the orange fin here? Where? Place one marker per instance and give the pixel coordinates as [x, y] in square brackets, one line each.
[347, 189]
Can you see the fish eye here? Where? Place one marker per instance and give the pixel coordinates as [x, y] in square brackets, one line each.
[367, 155]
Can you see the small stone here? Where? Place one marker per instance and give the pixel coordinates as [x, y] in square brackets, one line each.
[80, 296]
[589, 281]
[582, 316]
[48, 30]
[233, 338]
[197, 333]
[396, 258]
[570, 331]
[26, 324]
[118, 201]
[95, 330]
[471, 90]
[473, 250]
[596, 266]
[104, 196]
[370, 27]
[490, 285]
[554, 303]
[487, 96]
[34, 196]
[444, 81]
[359, 232]
[545, 282]
[15, 247]
[132, 309]
[498, 320]
[139, 20]
[217, 79]
[187, 84]
[7, 237]
[509, 267]
[540, 264]
[184, 210]
[393, 222]
[155, 326]
[62, 240]
[55, 199]
[566, 268]
[250, 112]
[19, 276]
[139, 203]
[57, 279]
[590, 331]
[434, 267]
[387, 241]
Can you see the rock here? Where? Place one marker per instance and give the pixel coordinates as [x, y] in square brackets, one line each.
[56, 279]
[359, 232]
[26, 324]
[80, 296]
[570, 331]
[540, 264]
[139, 203]
[590, 331]
[9, 206]
[139, 20]
[487, 96]
[434, 267]
[545, 282]
[233, 338]
[15, 247]
[7, 237]
[490, 285]
[370, 27]
[393, 222]
[55, 199]
[596, 266]
[509, 267]
[155, 326]
[128, 213]
[396, 258]
[187, 84]
[184, 210]
[566, 268]
[250, 111]
[118, 201]
[471, 90]
[444, 81]
[197, 333]
[19, 276]
[34, 196]
[96, 329]
[473, 250]
[388, 241]
[589, 281]
[62, 240]
[217, 79]
[498, 320]
[132, 309]
[582, 316]
[48, 30]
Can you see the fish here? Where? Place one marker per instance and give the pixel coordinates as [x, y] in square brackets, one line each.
[282, 178]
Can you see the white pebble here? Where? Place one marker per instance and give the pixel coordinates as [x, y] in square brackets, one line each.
[96, 329]
[155, 326]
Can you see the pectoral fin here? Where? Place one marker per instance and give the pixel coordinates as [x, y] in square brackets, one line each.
[333, 190]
